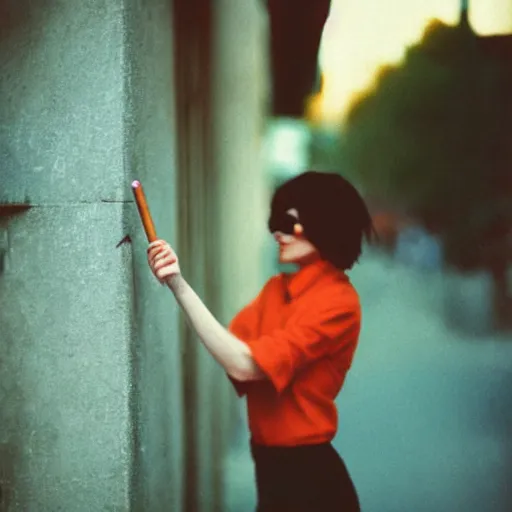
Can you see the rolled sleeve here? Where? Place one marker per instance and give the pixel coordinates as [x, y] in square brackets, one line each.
[286, 351]
[244, 326]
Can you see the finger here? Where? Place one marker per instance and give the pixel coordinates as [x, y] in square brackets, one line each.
[158, 257]
[163, 247]
[166, 271]
[160, 274]
[162, 255]
[162, 251]
[168, 260]
[164, 262]
[154, 246]
[153, 252]
[156, 243]
[153, 257]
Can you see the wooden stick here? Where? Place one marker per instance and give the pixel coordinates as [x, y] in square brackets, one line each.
[142, 206]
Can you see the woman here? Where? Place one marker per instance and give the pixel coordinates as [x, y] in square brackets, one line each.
[291, 348]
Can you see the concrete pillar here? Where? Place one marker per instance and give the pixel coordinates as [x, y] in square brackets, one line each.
[90, 383]
[241, 103]
[195, 202]
[221, 96]
[150, 149]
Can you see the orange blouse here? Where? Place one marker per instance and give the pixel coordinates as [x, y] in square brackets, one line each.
[302, 330]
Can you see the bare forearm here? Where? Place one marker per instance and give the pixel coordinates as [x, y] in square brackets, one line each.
[230, 352]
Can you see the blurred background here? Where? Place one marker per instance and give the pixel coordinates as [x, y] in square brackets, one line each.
[107, 400]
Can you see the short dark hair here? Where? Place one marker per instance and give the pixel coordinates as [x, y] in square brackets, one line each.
[333, 214]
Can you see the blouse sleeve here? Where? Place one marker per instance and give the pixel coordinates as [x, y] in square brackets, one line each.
[245, 327]
[312, 335]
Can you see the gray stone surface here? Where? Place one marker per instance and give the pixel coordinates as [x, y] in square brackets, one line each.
[150, 156]
[62, 108]
[425, 414]
[65, 361]
[90, 360]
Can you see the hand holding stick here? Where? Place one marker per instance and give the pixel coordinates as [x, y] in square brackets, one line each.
[161, 258]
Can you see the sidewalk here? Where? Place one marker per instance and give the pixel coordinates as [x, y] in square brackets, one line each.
[425, 416]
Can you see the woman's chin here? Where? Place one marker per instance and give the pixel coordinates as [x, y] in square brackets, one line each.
[302, 262]
[283, 260]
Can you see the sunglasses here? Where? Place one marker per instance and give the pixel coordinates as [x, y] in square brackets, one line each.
[283, 222]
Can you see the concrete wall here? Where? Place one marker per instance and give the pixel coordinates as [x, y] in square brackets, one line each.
[221, 96]
[90, 384]
[150, 151]
[192, 32]
[65, 293]
[241, 94]
[107, 401]
[65, 440]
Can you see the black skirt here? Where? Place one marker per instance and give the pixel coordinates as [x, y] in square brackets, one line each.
[307, 478]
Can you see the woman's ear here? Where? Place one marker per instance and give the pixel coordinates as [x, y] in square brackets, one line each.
[298, 229]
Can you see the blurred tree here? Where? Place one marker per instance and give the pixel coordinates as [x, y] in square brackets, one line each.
[325, 151]
[429, 137]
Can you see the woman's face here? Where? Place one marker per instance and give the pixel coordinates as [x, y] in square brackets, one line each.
[295, 248]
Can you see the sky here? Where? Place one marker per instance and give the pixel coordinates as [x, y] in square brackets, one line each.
[362, 35]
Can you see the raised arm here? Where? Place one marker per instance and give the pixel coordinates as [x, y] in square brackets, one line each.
[229, 351]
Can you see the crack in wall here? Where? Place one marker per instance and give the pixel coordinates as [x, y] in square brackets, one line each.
[9, 209]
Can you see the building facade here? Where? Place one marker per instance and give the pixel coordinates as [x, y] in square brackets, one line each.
[107, 402]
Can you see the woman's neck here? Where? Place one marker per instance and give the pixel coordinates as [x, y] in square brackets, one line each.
[309, 260]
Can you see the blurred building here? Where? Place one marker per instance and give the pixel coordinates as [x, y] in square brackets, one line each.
[497, 49]
[107, 400]
[296, 28]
